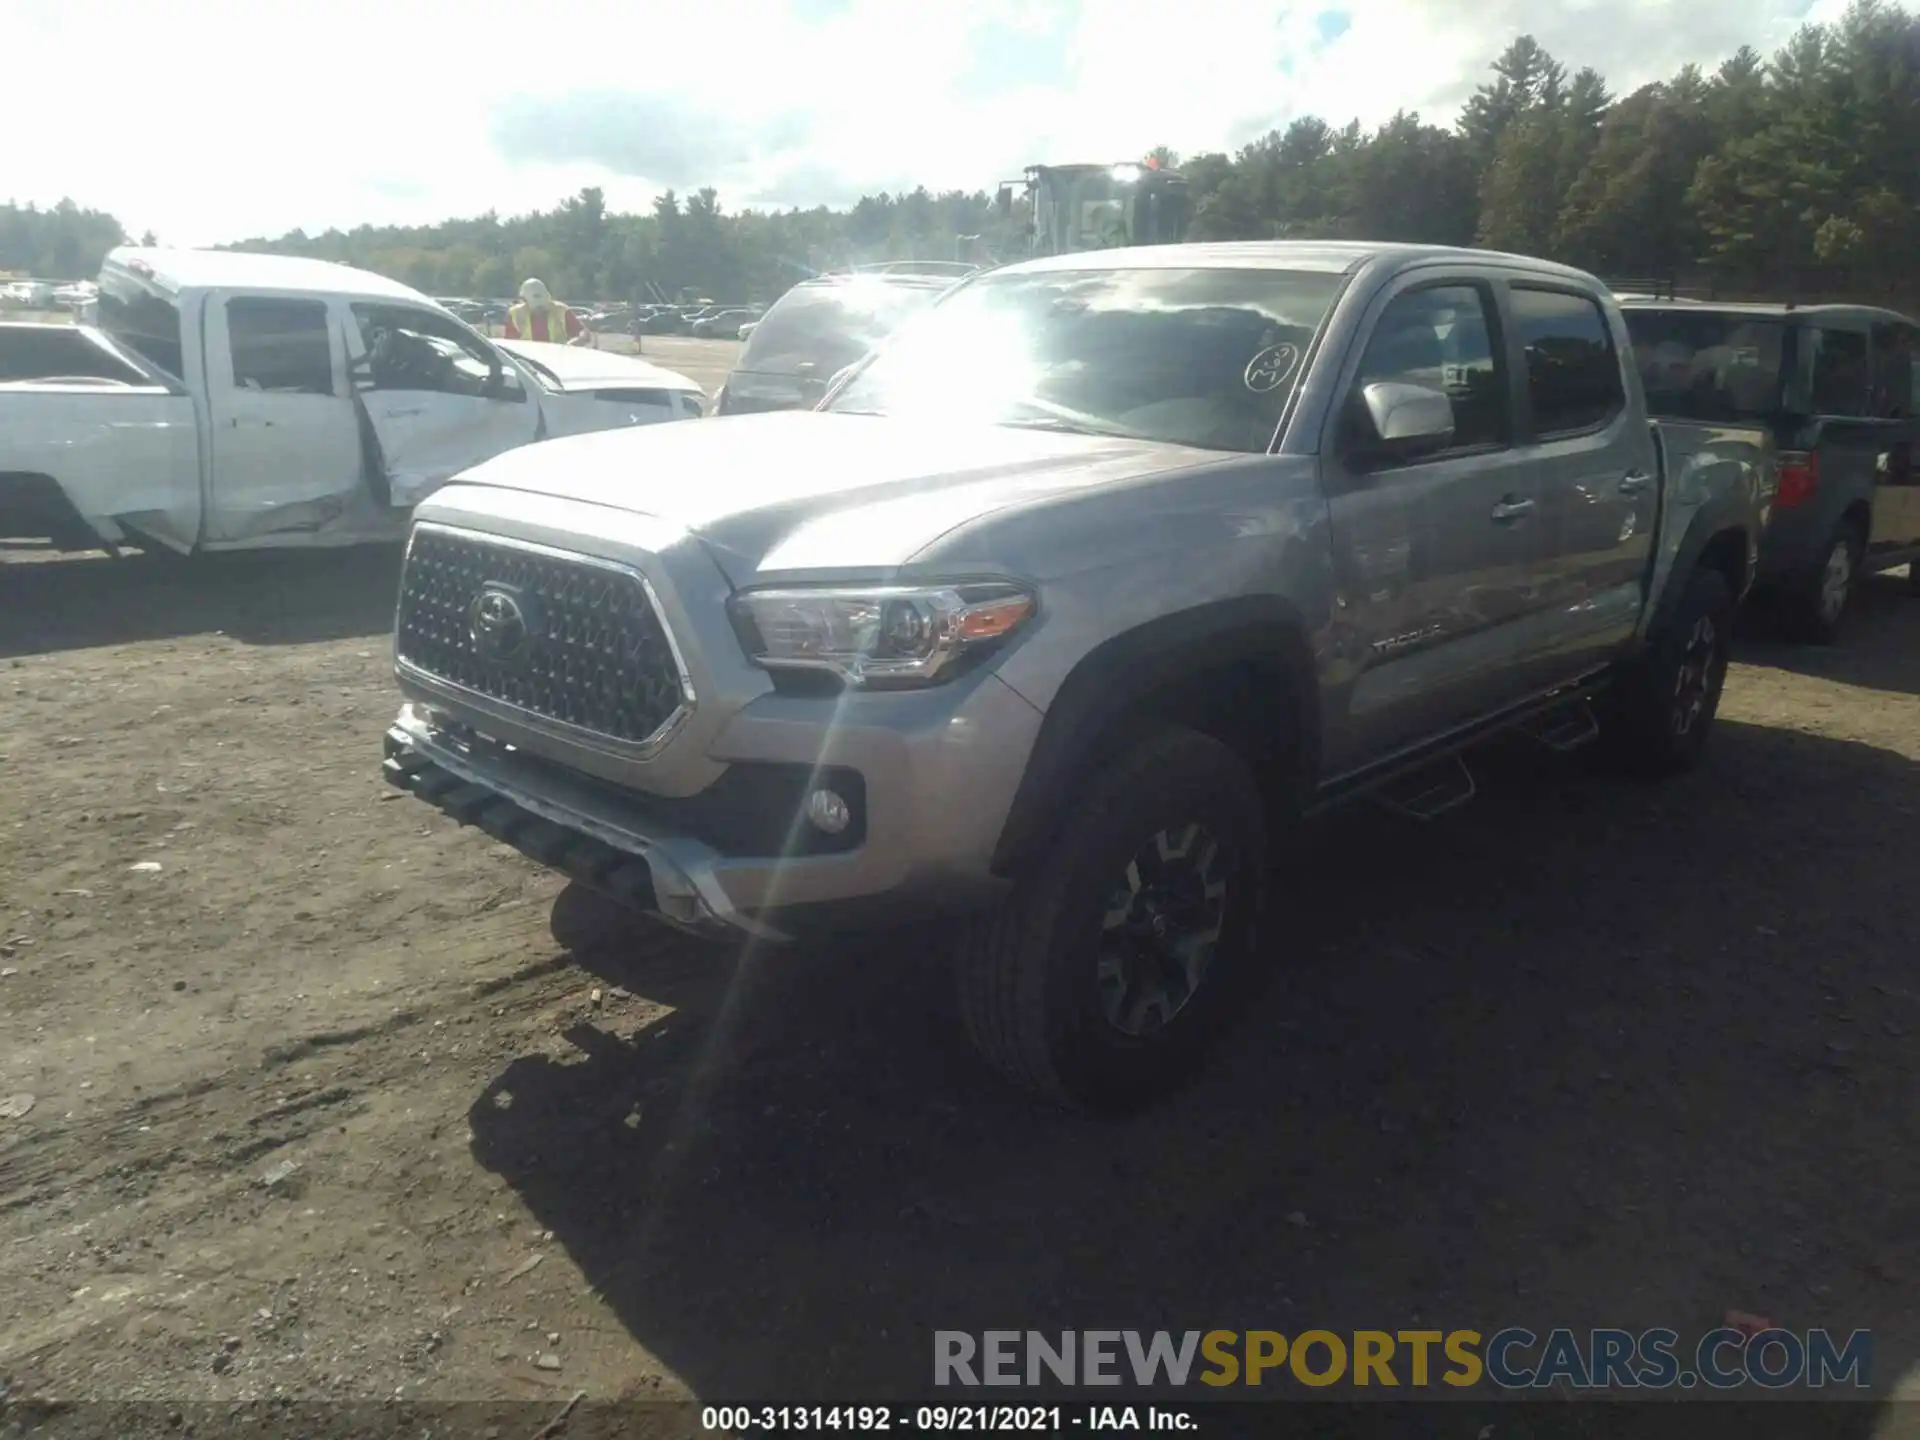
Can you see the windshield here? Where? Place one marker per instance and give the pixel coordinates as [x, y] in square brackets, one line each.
[818, 329]
[1707, 365]
[1080, 212]
[1095, 209]
[1199, 357]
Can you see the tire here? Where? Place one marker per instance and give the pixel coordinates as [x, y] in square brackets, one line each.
[1057, 987]
[1656, 721]
[1818, 607]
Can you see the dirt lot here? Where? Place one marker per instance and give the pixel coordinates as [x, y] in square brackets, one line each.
[323, 1102]
[704, 361]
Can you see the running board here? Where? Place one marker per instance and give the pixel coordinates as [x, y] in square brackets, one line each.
[1569, 728]
[1428, 792]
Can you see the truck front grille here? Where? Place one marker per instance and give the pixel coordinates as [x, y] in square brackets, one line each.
[562, 638]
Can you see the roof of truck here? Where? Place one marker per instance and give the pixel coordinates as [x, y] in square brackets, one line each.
[1769, 309]
[270, 274]
[1333, 257]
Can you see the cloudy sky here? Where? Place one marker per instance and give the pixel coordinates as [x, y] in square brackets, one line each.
[212, 120]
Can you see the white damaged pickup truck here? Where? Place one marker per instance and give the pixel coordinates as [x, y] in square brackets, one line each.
[227, 401]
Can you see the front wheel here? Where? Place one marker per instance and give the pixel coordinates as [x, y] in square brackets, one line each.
[1655, 722]
[1130, 944]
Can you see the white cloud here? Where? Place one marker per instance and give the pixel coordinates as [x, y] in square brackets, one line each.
[207, 120]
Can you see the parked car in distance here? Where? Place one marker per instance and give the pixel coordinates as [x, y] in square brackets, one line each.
[815, 330]
[691, 315]
[723, 324]
[1835, 389]
[28, 294]
[1067, 603]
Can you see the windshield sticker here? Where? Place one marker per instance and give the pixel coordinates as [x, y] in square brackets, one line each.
[1271, 368]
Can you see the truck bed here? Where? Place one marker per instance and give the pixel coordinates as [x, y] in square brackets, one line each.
[1706, 462]
[61, 357]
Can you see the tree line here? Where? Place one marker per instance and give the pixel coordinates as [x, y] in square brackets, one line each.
[1794, 175]
[61, 243]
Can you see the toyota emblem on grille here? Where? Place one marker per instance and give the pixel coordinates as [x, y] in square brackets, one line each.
[498, 624]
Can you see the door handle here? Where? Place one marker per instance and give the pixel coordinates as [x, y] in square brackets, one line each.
[1634, 481]
[401, 414]
[1511, 509]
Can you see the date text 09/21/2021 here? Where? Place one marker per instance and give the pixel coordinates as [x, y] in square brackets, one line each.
[748, 1419]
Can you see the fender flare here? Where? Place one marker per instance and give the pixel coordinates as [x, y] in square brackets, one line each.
[1111, 681]
[1725, 514]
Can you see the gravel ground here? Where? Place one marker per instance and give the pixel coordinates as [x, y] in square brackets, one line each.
[331, 1099]
[706, 362]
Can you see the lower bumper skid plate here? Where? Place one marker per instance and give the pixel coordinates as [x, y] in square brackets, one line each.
[593, 863]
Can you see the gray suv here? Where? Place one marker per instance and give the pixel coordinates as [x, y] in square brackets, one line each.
[1835, 389]
[817, 329]
[1069, 599]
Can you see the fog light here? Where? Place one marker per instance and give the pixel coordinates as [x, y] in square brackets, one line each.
[829, 811]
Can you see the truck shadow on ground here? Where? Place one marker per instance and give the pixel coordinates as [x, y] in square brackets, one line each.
[1879, 646]
[1580, 1054]
[52, 603]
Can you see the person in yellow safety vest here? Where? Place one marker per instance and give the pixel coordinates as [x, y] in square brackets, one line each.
[539, 316]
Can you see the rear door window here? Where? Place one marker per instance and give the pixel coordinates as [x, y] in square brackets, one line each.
[280, 346]
[1831, 373]
[1896, 373]
[1573, 373]
[1711, 366]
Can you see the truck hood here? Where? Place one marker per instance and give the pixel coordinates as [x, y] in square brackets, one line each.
[780, 494]
[574, 368]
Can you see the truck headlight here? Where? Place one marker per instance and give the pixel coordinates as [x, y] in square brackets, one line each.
[878, 636]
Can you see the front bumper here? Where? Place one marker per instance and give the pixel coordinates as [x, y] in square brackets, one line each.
[698, 825]
[571, 834]
[933, 799]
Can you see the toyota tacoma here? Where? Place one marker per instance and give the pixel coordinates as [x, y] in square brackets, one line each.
[1065, 603]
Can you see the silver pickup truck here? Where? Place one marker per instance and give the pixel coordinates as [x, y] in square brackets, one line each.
[1065, 602]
